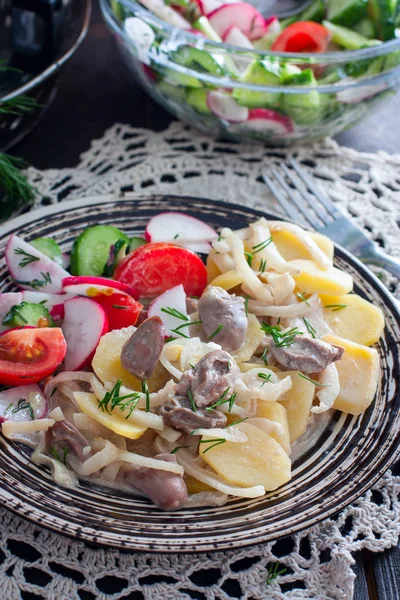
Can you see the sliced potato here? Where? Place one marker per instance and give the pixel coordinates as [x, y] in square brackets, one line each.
[212, 269]
[291, 248]
[106, 363]
[259, 461]
[253, 338]
[89, 405]
[274, 411]
[353, 318]
[358, 372]
[227, 280]
[316, 280]
[194, 486]
[298, 402]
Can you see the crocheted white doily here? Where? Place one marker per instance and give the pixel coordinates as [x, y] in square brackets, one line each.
[39, 564]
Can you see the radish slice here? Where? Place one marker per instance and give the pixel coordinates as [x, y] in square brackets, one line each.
[91, 286]
[53, 302]
[142, 36]
[7, 301]
[360, 93]
[208, 6]
[265, 120]
[174, 299]
[225, 107]
[23, 403]
[236, 37]
[31, 269]
[241, 14]
[84, 323]
[166, 13]
[182, 230]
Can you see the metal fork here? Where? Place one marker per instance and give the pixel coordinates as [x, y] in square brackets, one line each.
[317, 210]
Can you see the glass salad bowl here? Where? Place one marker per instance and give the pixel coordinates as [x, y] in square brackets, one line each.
[251, 94]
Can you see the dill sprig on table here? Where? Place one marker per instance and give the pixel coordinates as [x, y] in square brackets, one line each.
[14, 185]
[18, 106]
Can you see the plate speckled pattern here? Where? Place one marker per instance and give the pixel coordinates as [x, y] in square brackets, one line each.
[346, 458]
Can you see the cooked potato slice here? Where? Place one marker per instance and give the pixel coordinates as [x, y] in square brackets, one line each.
[194, 486]
[358, 372]
[291, 248]
[212, 269]
[227, 280]
[353, 318]
[89, 405]
[254, 335]
[298, 402]
[274, 411]
[316, 280]
[259, 461]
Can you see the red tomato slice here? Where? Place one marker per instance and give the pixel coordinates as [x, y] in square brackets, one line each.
[121, 310]
[30, 354]
[305, 36]
[156, 267]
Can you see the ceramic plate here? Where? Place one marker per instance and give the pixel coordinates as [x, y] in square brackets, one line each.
[336, 462]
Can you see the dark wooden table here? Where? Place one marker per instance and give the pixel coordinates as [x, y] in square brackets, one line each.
[96, 91]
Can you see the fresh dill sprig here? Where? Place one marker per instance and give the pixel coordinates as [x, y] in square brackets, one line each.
[112, 399]
[175, 450]
[302, 297]
[214, 443]
[178, 331]
[36, 284]
[22, 405]
[145, 390]
[18, 105]
[263, 265]
[249, 256]
[336, 307]
[191, 400]
[237, 422]
[27, 258]
[274, 571]
[281, 338]
[223, 399]
[264, 356]
[265, 378]
[312, 380]
[262, 245]
[55, 454]
[216, 332]
[14, 185]
[311, 330]
[173, 312]
[246, 306]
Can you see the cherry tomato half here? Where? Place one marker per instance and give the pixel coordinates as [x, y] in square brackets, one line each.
[156, 267]
[305, 36]
[121, 309]
[30, 354]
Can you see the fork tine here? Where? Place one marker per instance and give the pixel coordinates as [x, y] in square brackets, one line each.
[307, 215]
[308, 181]
[311, 206]
[279, 195]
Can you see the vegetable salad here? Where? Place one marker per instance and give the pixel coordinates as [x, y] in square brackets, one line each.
[204, 92]
[181, 366]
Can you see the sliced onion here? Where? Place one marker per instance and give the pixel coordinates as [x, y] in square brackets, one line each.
[59, 472]
[11, 427]
[304, 238]
[327, 395]
[57, 414]
[252, 387]
[250, 279]
[169, 434]
[185, 459]
[150, 463]
[230, 434]
[298, 309]
[206, 499]
[260, 233]
[99, 460]
[66, 377]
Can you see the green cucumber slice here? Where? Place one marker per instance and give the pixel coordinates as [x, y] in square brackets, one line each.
[48, 247]
[259, 72]
[382, 12]
[28, 313]
[199, 60]
[91, 249]
[346, 12]
[203, 24]
[304, 109]
[314, 12]
[136, 242]
[366, 28]
[197, 98]
[348, 39]
[175, 93]
[118, 10]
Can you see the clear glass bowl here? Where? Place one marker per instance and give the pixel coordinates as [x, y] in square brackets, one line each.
[193, 78]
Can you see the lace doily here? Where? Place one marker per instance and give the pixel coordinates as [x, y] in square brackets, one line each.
[317, 563]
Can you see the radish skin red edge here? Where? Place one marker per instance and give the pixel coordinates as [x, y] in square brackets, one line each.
[85, 322]
[9, 400]
[225, 107]
[182, 230]
[243, 15]
[87, 286]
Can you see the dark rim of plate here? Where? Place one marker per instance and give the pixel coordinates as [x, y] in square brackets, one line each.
[347, 460]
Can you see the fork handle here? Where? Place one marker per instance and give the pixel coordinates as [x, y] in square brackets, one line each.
[381, 259]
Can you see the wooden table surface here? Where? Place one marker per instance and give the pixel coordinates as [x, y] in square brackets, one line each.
[96, 91]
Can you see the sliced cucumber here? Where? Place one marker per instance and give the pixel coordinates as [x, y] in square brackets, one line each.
[314, 12]
[259, 72]
[366, 67]
[118, 10]
[348, 39]
[198, 100]
[346, 12]
[366, 28]
[91, 249]
[304, 109]
[382, 13]
[175, 93]
[26, 313]
[287, 70]
[117, 253]
[199, 60]
[203, 24]
[48, 247]
[136, 242]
